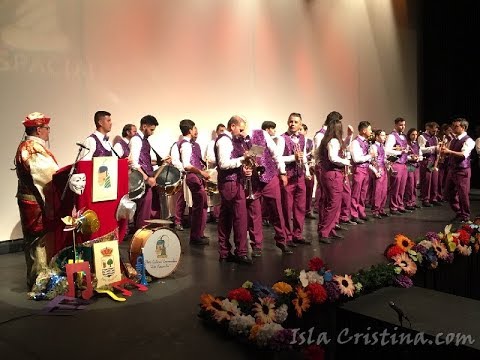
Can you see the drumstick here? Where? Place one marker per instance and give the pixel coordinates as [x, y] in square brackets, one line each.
[159, 170]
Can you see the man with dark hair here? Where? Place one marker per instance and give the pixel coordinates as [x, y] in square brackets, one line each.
[396, 146]
[457, 187]
[361, 157]
[35, 166]
[292, 146]
[97, 144]
[148, 206]
[230, 148]
[430, 149]
[191, 158]
[122, 147]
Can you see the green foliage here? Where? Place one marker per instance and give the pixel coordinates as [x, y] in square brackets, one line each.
[376, 277]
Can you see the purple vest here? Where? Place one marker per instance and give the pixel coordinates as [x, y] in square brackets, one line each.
[321, 131]
[145, 160]
[292, 168]
[125, 148]
[325, 162]
[431, 141]
[309, 149]
[100, 150]
[380, 155]
[415, 151]
[364, 147]
[456, 162]
[196, 157]
[402, 143]
[225, 175]
[266, 159]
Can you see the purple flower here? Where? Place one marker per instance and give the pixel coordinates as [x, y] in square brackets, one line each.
[332, 290]
[420, 249]
[281, 340]
[449, 258]
[404, 281]
[431, 236]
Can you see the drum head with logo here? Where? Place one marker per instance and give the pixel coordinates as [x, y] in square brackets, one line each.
[161, 253]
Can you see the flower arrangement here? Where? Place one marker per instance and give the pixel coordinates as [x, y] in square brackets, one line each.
[430, 250]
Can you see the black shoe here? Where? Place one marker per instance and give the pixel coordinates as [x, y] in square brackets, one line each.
[364, 218]
[325, 240]
[425, 204]
[437, 203]
[244, 259]
[229, 258]
[291, 244]
[205, 237]
[257, 253]
[200, 241]
[338, 227]
[284, 248]
[384, 215]
[404, 211]
[412, 208]
[266, 223]
[336, 236]
[358, 221]
[417, 206]
[377, 216]
[309, 216]
[395, 212]
[301, 241]
[348, 222]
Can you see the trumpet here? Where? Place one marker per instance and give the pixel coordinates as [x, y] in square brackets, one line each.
[347, 170]
[297, 150]
[374, 161]
[250, 163]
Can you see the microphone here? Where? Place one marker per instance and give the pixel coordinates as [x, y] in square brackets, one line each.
[82, 146]
[400, 313]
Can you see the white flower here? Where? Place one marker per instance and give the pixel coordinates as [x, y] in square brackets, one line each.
[281, 313]
[464, 250]
[241, 324]
[427, 244]
[303, 278]
[314, 277]
[266, 332]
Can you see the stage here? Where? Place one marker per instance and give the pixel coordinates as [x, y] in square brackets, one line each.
[163, 321]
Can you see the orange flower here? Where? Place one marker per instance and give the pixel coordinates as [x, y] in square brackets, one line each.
[405, 263]
[345, 284]
[301, 302]
[282, 288]
[403, 242]
[209, 303]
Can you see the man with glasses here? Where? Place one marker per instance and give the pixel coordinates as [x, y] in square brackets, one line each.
[35, 166]
[457, 186]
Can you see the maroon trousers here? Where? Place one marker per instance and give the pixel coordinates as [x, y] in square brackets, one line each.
[198, 216]
[293, 202]
[180, 206]
[429, 184]
[410, 196]
[360, 180]
[233, 214]
[457, 189]
[332, 200]
[379, 191]
[398, 182]
[309, 184]
[148, 207]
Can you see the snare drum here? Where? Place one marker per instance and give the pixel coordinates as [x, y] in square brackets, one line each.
[136, 185]
[211, 185]
[169, 180]
[161, 250]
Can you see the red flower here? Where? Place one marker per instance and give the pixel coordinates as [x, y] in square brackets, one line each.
[393, 251]
[464, 237]
[240, 294]
[315, 264]
[317, 293]
[467, 228]
[314, 352]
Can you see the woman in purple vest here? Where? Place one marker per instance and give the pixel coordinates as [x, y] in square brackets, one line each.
[333, 176]
[191, 157]
[380, 180]
[415, 156]
[457, 187]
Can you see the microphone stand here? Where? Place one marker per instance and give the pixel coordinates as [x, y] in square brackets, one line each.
[72, 170]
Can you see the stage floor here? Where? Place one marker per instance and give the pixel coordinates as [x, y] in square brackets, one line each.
[163, 323]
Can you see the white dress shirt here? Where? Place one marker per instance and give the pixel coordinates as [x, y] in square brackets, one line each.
[175, 155]
[422, 142]
[468, 145]
[135, 148]
[210, 154]
[390, 143]
[91, 144]
[333, 148]
[186, 152]
[357, 152]
[118, 147]
[317, 139]
[224, 149]
[273, 149]
[291, 158]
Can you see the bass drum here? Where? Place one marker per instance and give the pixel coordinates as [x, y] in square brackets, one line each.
[169, 180]
[161, 250]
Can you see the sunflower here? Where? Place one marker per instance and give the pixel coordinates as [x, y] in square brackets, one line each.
[403, 242]
[282, 288]
[345, 284]
[264, 310]
[405, 263]
[209, 303]
[440, 249]
[301, 302]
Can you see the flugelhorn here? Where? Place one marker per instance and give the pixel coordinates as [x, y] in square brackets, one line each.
[250, 163]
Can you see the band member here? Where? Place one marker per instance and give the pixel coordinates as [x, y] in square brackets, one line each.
[97, 144]
[270, 128]
[179, 204]
[333, 176]
[379, 171]
[191, 157]
[263, 186]
[35, 166]
[122, 147]
[309, 181]
[345, 208]
[361, 156]
[211, 164]
[292, 145]
[229, 155]
[457, 186]
[430, 149]
[446, 135]
[413, 171]
[396, 145]
[148, 206]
